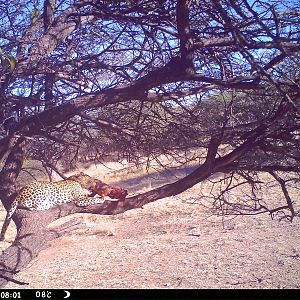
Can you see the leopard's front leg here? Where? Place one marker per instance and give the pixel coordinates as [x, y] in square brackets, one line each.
[88, 200]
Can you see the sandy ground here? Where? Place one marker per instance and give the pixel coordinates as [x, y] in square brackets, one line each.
[170, 244]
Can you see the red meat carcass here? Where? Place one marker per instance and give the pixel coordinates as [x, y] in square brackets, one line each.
[113, 192]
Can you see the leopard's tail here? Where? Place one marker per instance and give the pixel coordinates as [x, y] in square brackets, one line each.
[9, 214]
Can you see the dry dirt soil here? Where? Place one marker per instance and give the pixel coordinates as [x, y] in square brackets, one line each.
[171, 243]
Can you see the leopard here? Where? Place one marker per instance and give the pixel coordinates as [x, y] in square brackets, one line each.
[42, 195]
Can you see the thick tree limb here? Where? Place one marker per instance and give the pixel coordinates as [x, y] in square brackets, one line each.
[185, 36]
[10, 172]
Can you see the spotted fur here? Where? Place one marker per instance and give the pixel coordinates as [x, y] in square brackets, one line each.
[44, 195]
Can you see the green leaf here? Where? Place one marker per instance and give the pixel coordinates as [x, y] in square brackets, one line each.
[12, 62]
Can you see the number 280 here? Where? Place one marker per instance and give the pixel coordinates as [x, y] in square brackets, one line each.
[43, 294]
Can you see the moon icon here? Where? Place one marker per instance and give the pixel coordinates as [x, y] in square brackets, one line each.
[67, 294]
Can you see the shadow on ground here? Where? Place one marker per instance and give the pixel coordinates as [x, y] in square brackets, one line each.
[152, 180]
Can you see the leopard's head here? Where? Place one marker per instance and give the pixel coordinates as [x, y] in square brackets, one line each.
[84, 180]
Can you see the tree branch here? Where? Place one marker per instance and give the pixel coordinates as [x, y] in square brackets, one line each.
[185, 37]
[286, 194]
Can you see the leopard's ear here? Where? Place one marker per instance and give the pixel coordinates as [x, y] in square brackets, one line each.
[81, 173]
